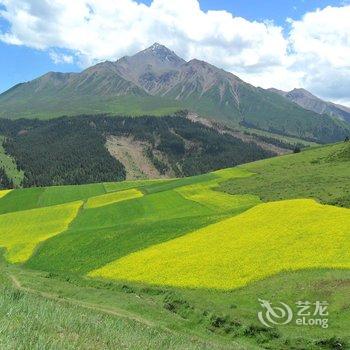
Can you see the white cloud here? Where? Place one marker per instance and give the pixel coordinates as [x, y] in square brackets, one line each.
[107, 29]
[320, 44]
[58, 58]
[313, 54]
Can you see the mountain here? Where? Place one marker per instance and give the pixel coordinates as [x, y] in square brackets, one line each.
[152, 69]
[156, 81]
[311, 102]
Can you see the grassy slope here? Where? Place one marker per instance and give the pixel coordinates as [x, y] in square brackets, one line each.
[214, 314]
[51, 107]
[10, 166]
[264, 110]
[322, 173]
[228, 318]
[68, 325]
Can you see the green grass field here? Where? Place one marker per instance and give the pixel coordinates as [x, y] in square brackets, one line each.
[187, 259]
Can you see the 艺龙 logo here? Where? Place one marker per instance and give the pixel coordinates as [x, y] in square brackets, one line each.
[308, 313]
[274, 315]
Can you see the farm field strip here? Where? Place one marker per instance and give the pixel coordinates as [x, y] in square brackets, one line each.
[104, 234]
[106, 229]
[129, 184]
[113, 197]
[4, 193]
[65, 194]
[263, 241]
[21, 232]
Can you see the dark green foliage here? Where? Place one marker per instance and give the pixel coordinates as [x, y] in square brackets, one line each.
[159, 165]
[72, 150]
[177, 305]
[5, 182]
[276, 142]
[333, 343]
[63, 151]
[261, 334]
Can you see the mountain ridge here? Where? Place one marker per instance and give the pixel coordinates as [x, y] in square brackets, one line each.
[309, 101]
[157, 81]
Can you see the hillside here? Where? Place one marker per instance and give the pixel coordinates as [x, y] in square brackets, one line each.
[311, 102]
[157, 82]
[181, 256]
[87, 149]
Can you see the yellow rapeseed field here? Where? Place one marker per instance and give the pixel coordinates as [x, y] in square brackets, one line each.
[4, 193]
[114, 197]
[21, 232]
[205, 194]
[265, 240]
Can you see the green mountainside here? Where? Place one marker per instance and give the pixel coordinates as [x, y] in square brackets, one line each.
[80, 150]
[157, 82]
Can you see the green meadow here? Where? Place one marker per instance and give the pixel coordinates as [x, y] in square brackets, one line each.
[180, 263]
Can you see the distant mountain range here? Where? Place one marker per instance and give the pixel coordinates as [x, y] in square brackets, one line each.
[158, 82]
[310, 102]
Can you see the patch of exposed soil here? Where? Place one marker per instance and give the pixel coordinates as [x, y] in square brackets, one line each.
[131, 154]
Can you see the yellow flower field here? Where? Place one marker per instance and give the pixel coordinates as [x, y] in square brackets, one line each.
[114, 197]
[4, 193]
[21, 232]
[265, 240]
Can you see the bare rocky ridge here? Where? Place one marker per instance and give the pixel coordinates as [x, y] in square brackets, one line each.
[311, 102]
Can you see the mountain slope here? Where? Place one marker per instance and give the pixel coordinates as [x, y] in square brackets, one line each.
[152, 69]
[310, 102]
[82, 149]
[183, 232]
[157, 81]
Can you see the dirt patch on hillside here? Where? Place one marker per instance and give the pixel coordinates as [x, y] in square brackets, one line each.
[131, 154]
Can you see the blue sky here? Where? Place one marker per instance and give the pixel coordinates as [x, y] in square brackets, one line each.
[20, 63]
[276, 10]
